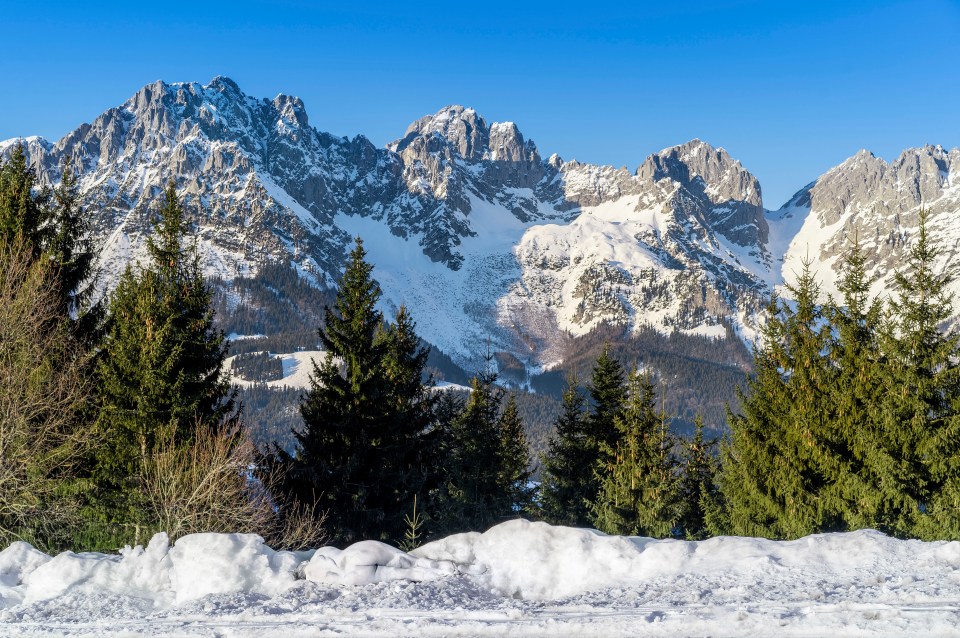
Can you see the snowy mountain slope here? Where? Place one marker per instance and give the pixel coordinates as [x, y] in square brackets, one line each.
[452, 214]
[878, 203]
[490, 246]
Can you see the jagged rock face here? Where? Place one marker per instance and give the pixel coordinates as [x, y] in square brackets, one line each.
[877, 203]
[487, 244]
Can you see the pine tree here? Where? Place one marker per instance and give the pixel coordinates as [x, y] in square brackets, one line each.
[608, 394]
[779, 469]
[160, 369]
[477, 498]
[568, 465]
[698, 489]
[24, 210]
[71, 251]
[861, 484]
[638, 484]
[515, 464]
[52, 225]
[921, 401]
[368, 444]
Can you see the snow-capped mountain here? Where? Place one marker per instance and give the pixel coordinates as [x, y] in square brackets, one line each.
[489, 245]
[877, 203]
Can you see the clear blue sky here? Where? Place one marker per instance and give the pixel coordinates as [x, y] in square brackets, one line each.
[790, 89]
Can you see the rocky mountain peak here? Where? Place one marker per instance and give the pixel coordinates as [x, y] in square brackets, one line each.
[291, 110]
[719, 175]
[461, 128]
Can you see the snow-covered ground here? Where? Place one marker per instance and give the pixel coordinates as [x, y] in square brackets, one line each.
[519, 578]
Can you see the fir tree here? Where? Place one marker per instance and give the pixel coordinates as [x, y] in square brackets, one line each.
[160, 369]
[698, 493]
[608, 396]
[515, 464]
[568, 465]
[71, 251]
[366, 448]
[780, 467]
[638, 484]
[921, 401]
[24, 210]
[861, 486]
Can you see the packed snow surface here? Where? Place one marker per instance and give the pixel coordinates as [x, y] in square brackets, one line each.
[518, 578]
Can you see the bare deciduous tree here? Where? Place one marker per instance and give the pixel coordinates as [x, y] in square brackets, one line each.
[42, 386]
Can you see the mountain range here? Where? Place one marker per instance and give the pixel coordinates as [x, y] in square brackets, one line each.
[491, 246]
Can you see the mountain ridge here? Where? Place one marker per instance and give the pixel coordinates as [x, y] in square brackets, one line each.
[487, 243]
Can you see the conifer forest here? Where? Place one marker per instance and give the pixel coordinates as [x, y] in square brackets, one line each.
[118, 420]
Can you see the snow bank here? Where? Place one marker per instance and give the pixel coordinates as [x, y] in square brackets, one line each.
[494, 583]
[197, 566]
[537, 561]
[370, 562]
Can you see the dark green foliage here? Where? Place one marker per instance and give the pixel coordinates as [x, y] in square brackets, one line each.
[72, 252]
[271, 415]
[258, 367]
[862, 481]
[780, 467]
[698, 492]
[608, 396]
[638, 483]
[160, 369]
[568, 465]
[24, 211]
[475, 498]
[515, 465]
[363, 452]
[921, 405]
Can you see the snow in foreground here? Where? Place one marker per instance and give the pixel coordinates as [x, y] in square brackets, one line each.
[519, 578]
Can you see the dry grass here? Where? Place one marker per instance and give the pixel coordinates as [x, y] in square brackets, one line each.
[208, 487]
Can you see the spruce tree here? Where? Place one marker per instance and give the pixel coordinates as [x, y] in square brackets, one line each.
[477, 498]
[24, 209]
[861, 488]
[698, 489]
[780, 468]
[515, 469]
[921, 401]
[568, 465]
[160, 370]
[72, 253]
[608, 394]
[638, 484]
[367, 445]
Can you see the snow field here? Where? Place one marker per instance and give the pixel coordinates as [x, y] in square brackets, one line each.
[518, 578]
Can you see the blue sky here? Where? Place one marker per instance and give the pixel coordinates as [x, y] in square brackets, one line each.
[790, 89]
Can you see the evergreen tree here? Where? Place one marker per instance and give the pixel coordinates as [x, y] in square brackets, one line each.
[779, 471]
[921, 400]
[24, 210]
[367, 443]
[160, 369]
[477, 497]
[638, 483]
[608, 394]
[515, 464]
[568, 465]
[72, 252]
[698, 493]
[861, 487]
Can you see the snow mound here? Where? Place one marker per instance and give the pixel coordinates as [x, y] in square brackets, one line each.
[518, 578]
[537, 561]
[370, 562]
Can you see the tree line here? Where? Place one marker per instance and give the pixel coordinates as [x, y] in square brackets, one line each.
[117, 419]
